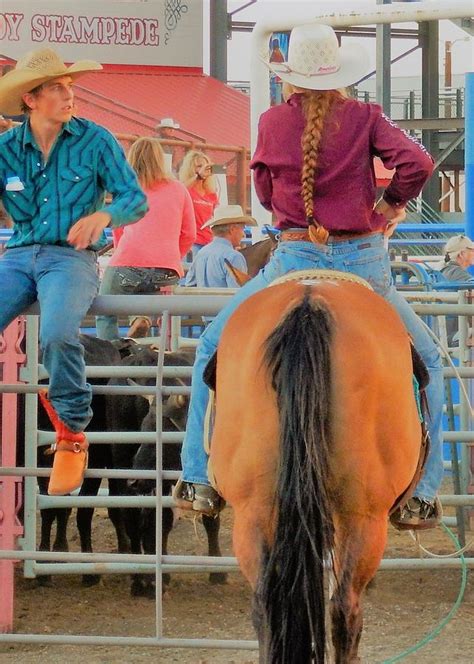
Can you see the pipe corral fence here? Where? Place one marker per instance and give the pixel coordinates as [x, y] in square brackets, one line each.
[429, 304]
[433, 305]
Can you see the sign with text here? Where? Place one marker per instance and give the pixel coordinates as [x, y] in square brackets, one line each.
[146, 32]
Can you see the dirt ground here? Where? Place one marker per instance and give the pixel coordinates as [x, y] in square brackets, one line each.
[400, 610]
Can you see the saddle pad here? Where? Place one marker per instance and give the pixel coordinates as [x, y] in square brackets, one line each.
[308, 277]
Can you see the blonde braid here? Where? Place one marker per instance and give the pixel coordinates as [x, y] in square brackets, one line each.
[316, 105]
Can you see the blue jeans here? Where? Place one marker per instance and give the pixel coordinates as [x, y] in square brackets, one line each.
[130, 281]
[365, 257]
[65, 282]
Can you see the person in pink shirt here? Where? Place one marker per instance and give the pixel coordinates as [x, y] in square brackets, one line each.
[149, 255]
[196, 174]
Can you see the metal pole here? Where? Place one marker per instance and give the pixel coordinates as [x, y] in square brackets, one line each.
[10, 487]
[165, 320]
[430, 104]
[469, 154]
[383, 56]
[448, 79]
[31, 436]
[219, 33]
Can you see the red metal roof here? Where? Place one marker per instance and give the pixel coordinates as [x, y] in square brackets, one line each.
[134, 102]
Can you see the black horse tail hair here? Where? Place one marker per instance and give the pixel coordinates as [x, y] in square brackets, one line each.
[289, 599]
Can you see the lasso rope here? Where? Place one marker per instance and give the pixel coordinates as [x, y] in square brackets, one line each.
[442, 624]
[459, 550]
[446, 354]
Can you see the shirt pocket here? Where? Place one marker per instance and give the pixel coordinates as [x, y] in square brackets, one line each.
[20, 205]
[77, 185]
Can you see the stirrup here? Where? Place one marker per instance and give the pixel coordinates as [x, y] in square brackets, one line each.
[198, 497]
[417, 514]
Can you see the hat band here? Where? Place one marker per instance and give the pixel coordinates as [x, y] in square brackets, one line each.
[284, 68]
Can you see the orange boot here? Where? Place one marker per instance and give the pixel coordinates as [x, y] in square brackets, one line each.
[70, 454]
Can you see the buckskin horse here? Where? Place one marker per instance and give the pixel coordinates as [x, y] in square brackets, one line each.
[316, 435]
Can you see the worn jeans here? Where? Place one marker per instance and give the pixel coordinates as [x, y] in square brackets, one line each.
[368, 259]
[65, 282]
[130, 281]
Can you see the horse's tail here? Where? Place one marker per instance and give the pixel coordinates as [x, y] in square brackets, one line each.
[290, 591]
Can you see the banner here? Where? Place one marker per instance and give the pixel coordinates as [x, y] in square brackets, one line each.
[278, 52]
[145, 32]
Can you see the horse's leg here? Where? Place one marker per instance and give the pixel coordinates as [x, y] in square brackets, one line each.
[358, 558]
[212, 526]
[247, 544]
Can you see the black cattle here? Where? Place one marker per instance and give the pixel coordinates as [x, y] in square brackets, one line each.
[132, 413]
[96, 352]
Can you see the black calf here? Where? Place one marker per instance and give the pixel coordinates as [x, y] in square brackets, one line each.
[97, 352]
[132, 413]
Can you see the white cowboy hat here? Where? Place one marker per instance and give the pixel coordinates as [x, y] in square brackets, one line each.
[167, 123]
[456, 244]
[229, 214]
[36, 68]
[317, 62]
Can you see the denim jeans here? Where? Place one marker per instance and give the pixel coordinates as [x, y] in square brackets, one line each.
[365, 257]
[130, 281]
[65, 282]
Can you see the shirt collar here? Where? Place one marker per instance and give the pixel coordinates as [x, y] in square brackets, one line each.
[68, 127]
[222, 240]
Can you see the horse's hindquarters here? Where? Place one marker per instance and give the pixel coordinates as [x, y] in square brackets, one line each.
[337, 455]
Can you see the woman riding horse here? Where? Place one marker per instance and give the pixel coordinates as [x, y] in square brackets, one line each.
[313, 168]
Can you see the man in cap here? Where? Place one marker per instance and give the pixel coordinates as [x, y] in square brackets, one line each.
[209, 268]
[459, 256]
[54, 171]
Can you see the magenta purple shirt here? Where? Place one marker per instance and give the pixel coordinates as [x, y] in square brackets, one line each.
[345, 186]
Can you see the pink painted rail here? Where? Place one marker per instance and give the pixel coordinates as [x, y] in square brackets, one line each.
[11, 358]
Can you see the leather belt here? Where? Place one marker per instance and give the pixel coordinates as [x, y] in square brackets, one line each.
[303, 236]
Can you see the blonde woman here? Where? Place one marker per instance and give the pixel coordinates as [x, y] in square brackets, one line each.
[313, 168]
[196, 174]
[149, 254]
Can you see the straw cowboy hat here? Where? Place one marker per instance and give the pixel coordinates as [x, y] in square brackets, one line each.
[317, 62]
[456, 244]
[229, 214]
[36, 68]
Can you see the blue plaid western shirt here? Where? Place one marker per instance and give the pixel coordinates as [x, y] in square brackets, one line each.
[46, 199]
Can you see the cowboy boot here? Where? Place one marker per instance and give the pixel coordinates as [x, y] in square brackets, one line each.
[70, 454]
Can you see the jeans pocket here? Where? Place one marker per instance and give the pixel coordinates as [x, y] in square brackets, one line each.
[373, 268]
[131, 280]
[163, 278]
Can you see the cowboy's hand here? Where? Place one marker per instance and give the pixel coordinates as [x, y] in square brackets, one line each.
[88, 230]
[393, 215]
